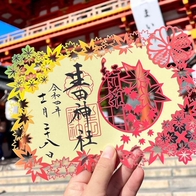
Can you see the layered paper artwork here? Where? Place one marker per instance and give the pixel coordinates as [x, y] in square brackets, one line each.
[133, 90]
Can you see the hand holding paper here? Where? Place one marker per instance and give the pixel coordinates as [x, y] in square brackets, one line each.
[130, 90]
[125, 181]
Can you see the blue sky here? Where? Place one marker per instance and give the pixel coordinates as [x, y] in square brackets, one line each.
[6, 28]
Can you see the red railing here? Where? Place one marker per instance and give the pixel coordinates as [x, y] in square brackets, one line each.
[67, 21]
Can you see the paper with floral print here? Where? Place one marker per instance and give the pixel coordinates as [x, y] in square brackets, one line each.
[129, 91]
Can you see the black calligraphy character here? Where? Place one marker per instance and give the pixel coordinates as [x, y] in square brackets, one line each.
[115, 91]
[77, 79]
[55, 88]
[146, 13]
[47, 133]
[46, 126]
[55, 95]
[54, 144]
[149, 26]
[45, 112]
[57, 102]
[84, 111]
[57, 110]
[80, 94]
[89, 137]
[42, 96]
[43, 145]
[50, 154]
[80, 141]
[115, 99]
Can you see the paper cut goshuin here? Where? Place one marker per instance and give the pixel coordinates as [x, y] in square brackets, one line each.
[129, 91]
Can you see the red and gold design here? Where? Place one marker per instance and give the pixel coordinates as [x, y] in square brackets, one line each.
[124, 91]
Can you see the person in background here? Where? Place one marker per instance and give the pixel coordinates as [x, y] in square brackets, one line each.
[2, 135]
[106, 180]
[11, 108]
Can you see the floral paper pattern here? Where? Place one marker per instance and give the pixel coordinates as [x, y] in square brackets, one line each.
[75, 99]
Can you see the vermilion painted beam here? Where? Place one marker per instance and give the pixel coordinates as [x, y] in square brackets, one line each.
[67, 31]
[177, 21]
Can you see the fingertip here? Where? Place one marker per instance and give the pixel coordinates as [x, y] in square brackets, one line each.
[108, 152]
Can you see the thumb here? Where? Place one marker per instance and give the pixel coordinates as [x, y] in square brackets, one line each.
[102, 173]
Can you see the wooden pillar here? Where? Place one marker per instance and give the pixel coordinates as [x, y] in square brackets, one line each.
[189, 13]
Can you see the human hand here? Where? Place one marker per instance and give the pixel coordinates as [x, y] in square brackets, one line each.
[106, 180]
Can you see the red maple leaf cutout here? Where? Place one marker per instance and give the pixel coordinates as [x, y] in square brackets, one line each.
[67, 168]
[127, 107]
[150, 132]
[136, 124]
[142, 79]
[93, 159]
[189, 80]
[124, 45]
[131, 117]
[186, 106]
[56, 164]
[130, 158]
[85, 161]
[52, 173]
[65, 161]
[26, 156]
[125, 139]
[125, 160]
[183, 74]
[155, 89]
[62, 172]
[185, 86]
[127, 90]
[152, 113]
[145, 123]
[121, 151]
[71, 169]
[38, 169]
[193, 108]
[138, 109]
[133, 95]
[80, 157]
[136, 133]
[155, 152]
[120, 148]
[142, 141]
